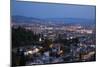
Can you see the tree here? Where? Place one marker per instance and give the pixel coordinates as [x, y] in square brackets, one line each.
[23, 37]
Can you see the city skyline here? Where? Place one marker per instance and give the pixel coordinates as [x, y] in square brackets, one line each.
[46, 33]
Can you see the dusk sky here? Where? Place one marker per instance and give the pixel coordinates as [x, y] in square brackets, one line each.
[46, 10]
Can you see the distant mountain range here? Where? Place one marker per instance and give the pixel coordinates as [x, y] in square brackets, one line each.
[23, 19]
